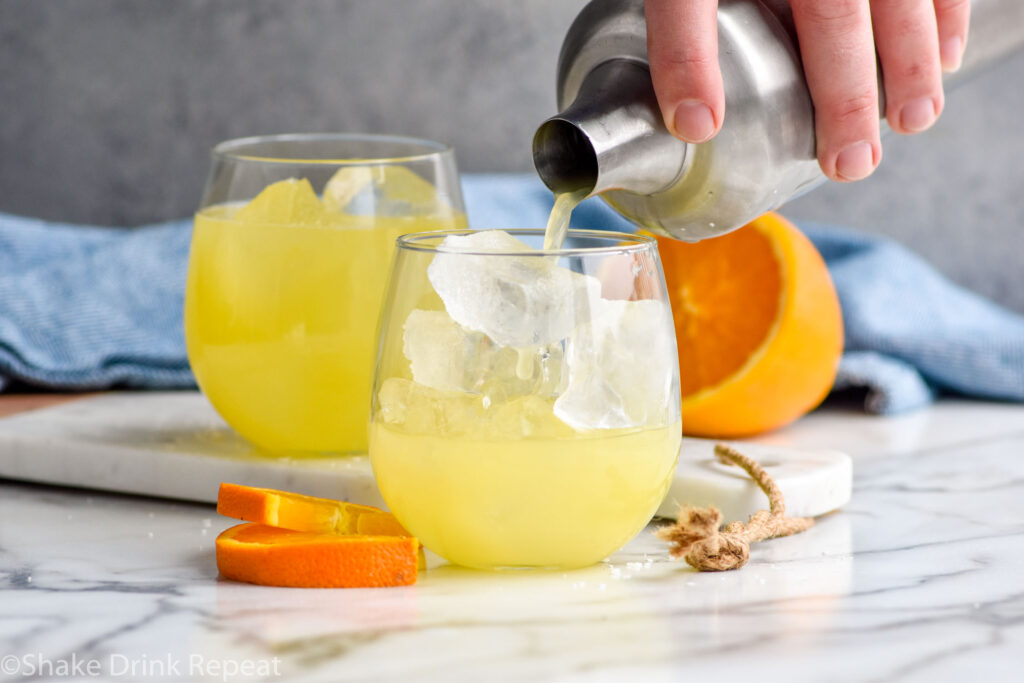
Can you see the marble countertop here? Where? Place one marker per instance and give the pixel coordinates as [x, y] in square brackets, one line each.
[919, 578]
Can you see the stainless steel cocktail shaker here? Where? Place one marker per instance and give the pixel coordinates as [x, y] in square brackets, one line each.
[610, 139]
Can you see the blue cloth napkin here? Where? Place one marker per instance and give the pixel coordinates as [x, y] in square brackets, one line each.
[85, 307]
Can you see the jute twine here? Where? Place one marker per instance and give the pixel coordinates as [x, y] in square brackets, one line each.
[696, 535]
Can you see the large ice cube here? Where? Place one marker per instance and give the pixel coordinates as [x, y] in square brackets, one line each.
[445, 355]
[517, 301]
[381, 190]
[621, 367]
[442, 353]
[286, 202]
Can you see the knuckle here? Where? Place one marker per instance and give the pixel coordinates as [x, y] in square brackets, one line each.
[847, 110]
[891, 6]
[674, 60]
[830, 16]
[909, 28]
[679, 73]
[955, 6]
[902, 21]
[912, 72]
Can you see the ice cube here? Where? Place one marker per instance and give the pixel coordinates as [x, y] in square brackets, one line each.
[384, 189]
[517, 301]
[345, 185]
[525, 417]
[445, 355]
[520, 372]
[621, 368]
[286, 202]
[416, 409]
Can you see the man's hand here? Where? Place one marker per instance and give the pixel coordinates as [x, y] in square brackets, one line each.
[915, 41]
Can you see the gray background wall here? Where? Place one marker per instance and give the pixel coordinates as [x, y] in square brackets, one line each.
[108, 109]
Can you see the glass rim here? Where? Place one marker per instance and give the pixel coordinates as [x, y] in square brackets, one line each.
[232, 149]
[636, 243]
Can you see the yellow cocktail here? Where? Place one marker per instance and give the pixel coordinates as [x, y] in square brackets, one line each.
[520, 417]
[283, 297]
[548, 500]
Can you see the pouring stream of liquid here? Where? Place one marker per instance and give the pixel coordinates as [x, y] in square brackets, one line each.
[558, 221]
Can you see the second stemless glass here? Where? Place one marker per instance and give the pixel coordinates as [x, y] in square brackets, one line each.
[526, 403]
[289, 261]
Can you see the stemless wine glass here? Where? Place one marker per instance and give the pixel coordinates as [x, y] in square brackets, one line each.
[289, 261]
[526, 403]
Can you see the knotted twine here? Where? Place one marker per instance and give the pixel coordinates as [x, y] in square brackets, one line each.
[696, 535]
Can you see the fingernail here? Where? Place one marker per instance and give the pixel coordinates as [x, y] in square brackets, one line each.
[694, 121]
[855, 162]
[918, 115]
[951, 52]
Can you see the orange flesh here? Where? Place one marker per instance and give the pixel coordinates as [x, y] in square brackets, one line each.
[298, 512]
[380, 524]
[759, 327]
[725, 295]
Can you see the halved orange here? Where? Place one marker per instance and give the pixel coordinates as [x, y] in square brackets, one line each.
[266, 555]
[758, 326]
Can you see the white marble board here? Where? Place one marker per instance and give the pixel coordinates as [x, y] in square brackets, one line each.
[173, 445]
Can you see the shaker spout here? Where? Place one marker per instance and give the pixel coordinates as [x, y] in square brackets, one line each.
[565, 157]
[611, 137]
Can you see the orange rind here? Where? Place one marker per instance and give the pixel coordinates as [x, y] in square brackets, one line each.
[265, 555]
[758, 326]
